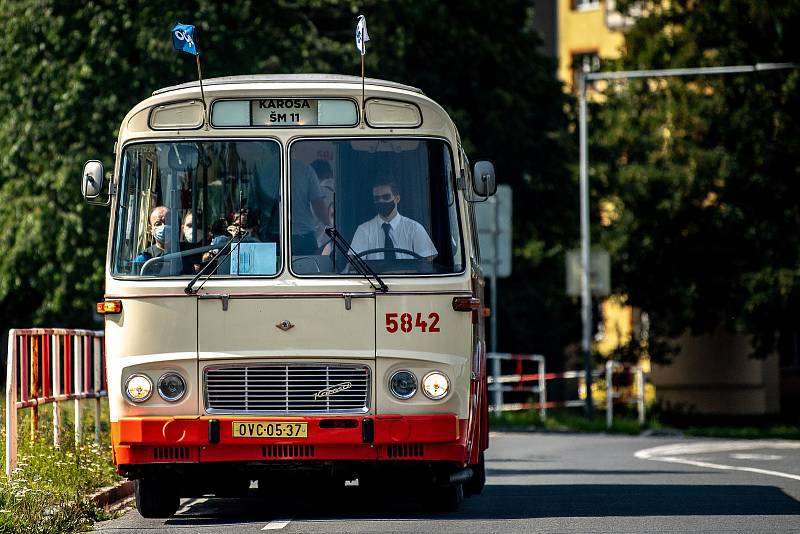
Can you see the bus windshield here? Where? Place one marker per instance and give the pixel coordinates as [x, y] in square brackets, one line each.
[181, 203]
[215, 206]
[392, 199]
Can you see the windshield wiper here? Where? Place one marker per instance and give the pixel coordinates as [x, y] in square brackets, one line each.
[189, 289]
[358, 263]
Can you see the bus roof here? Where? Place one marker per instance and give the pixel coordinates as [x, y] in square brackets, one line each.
[288, 78]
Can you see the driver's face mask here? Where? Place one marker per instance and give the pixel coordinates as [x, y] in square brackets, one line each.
[384, 208]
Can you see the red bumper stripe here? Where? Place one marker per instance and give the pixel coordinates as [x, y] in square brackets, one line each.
[165, 439]
[160, 431]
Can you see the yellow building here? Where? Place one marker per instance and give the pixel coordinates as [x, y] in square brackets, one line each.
[587, 32]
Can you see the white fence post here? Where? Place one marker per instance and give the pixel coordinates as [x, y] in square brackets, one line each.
[542, 390]
[55, 355]
[77, 385]
[609, 393]
[640, 397]
[498, 392]
[97, 386]
[11, 403]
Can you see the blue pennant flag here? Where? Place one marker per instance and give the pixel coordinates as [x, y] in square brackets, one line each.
[183, 38]
[361, 34]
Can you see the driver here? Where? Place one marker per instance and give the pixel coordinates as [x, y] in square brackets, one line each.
[389, 230]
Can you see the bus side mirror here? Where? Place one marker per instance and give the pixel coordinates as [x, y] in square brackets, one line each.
[483, 180]
[92, 182]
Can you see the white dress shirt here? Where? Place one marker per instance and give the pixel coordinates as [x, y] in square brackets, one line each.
[405, 233]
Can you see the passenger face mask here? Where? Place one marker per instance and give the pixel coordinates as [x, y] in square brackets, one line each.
[161, 232]
[187, 234]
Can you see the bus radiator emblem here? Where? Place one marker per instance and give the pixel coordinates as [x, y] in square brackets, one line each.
[333, 390]
[285, 325]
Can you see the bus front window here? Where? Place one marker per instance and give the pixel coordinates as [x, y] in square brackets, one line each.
[181, 203]
[391, 199]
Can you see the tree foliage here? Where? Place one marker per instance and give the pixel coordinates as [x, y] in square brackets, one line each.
[70, 71]
[704, 173]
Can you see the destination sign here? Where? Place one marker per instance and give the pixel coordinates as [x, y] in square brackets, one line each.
[284, 112]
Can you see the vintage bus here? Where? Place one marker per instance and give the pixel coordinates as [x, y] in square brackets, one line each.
[293, 291]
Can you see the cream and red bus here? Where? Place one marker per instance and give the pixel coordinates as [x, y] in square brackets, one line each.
[293, 293]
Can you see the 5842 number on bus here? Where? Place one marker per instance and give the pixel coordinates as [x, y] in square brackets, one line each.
[407, 323]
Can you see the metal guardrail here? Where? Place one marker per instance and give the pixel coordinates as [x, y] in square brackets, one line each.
[521, 382]
[498, 383]
[49, 366]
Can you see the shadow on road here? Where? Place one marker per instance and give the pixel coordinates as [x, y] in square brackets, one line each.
[598, 500]
[508, 502]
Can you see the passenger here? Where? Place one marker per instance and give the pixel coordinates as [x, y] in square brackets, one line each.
[162, 236]
[326, 185]
[160, 231]
[189, 233]
[246, 222]
[307, 202]
[326, 249]
[389, 230]
[242, 222]
[192, 238]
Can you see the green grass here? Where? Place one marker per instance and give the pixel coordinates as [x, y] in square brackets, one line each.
[49, 491]
[746, 432]
[627, 423]
[573, 420]
[570, 420]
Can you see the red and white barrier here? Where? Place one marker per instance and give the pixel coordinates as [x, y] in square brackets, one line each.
[49, 366]
[497, 382]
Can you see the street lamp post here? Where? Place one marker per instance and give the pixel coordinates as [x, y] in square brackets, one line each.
[583, 79]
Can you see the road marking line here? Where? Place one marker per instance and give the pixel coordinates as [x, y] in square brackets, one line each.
[667, 453]
[277, 524]
[754, 456]
[716, 446]
[190, 503]
[728, 467]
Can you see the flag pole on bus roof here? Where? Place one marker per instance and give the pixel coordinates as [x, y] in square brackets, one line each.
[184, 39]
[361, 43]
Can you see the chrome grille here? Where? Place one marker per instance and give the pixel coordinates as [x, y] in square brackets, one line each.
[287, 388]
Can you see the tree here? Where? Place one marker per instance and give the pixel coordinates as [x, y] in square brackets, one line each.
[704, 174]
[77, 68]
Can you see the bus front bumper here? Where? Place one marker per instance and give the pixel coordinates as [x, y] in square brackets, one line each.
[197, 439]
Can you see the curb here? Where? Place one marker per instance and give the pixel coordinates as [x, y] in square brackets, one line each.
[107, 497]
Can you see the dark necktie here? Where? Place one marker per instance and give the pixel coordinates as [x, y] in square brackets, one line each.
[388, 243]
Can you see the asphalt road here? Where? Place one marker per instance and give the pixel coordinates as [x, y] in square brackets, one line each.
[549, 483]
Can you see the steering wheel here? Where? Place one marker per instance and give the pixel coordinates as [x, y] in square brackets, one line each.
[385, 249]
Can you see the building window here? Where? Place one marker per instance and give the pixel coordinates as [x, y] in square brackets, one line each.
[585, 5]
[584, 62]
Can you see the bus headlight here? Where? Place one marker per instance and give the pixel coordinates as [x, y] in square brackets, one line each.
[435, 385]
[403, 384]
[171, 386]
[138, 388]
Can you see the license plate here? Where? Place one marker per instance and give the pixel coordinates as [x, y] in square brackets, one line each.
[270, 429]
